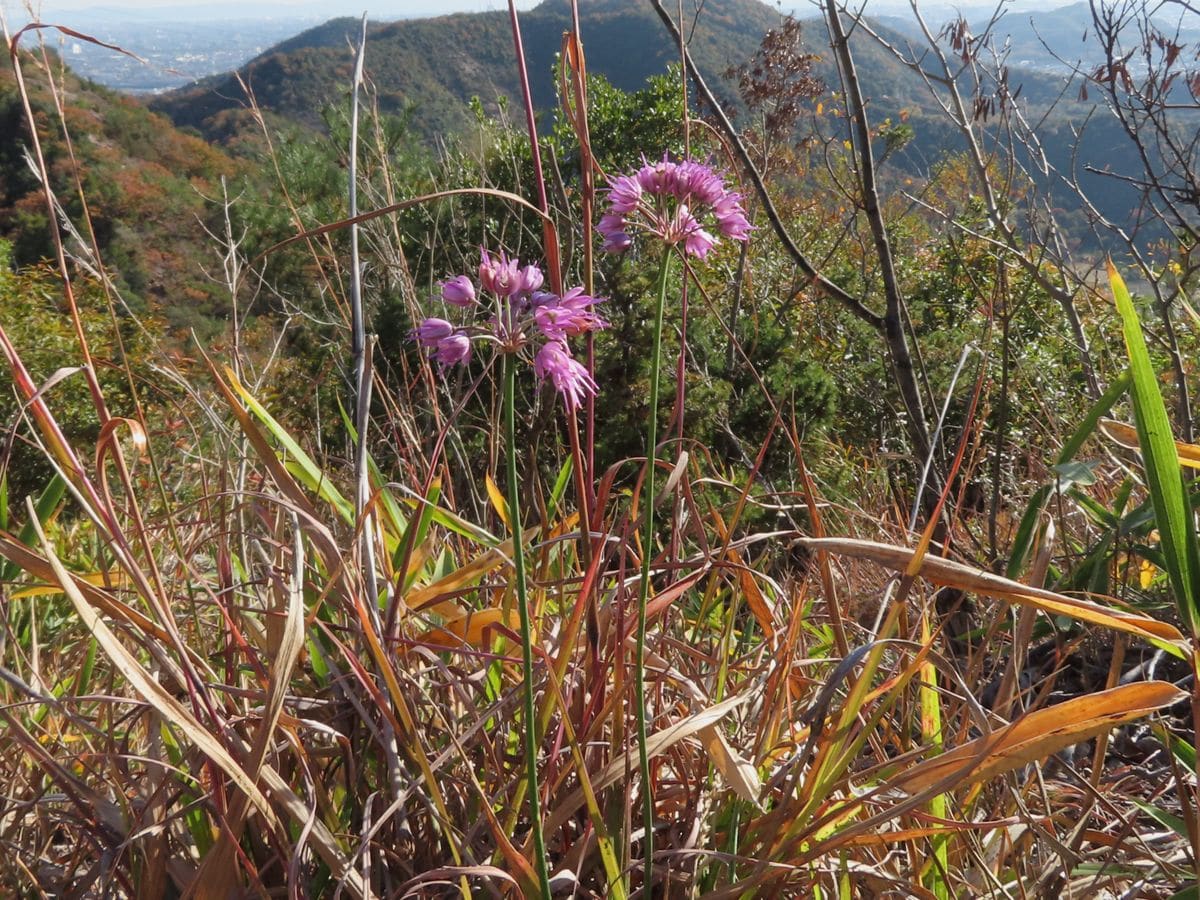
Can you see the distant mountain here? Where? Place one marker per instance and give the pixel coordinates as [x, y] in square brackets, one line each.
[434, 66]
[439, 63]
[1041, 37]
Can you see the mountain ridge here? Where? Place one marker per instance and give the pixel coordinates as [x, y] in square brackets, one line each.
[441, 62]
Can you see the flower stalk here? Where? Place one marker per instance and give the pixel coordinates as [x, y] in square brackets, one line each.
[684, 205]
[509, 378]
[664, 272]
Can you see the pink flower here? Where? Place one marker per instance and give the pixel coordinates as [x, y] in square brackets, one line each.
[459, 291]
[625, 192]
[501, 275]
[567, 316]
[735, 226]
[701, 183]
[612, 228]
[678, 203]
[569, 377]
[453, 350]
[657, 178]
[505, 277]
[521, 314]
[698, 242]
[433, 330]
[531, 279]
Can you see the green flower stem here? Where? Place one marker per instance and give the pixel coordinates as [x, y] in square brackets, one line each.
[644, 586]
[514, 516]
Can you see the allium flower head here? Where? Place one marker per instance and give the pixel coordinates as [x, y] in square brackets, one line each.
[677, 202]
[520, 314]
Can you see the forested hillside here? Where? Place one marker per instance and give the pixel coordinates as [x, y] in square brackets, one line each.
[433, 66]
[149, 189]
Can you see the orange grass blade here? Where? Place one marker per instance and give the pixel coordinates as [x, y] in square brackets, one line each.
[475, 629]
[954, 574]
[1126, 436]
[1040, 734]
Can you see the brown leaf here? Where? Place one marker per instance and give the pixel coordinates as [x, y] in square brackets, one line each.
[739, 773]
[955, 574]
[1040, 734]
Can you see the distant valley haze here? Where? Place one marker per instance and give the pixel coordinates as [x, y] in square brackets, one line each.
[188, 10]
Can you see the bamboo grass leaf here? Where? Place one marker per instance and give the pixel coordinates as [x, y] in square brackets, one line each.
[1164, 478]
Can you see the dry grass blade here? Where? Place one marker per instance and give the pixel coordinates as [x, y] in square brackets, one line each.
[449, 876]
[1040, 734]
[176, 714]
[28, 561]
[217, 875]
[1127, 437]
[739, 773]
[153, 692]
[957, 575]
[658, 743]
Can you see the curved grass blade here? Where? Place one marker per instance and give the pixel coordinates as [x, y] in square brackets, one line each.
[954, 574]
[1040, 734]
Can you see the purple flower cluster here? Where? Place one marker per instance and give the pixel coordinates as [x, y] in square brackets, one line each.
[672, 201]
[521, 312]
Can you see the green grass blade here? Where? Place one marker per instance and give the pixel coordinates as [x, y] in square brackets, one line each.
[1162, 817]
[560, 488]
[393, 518]
[1024, 539]
[47, 502]
[1164, 476]
[299, 463]
[1115, 392]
